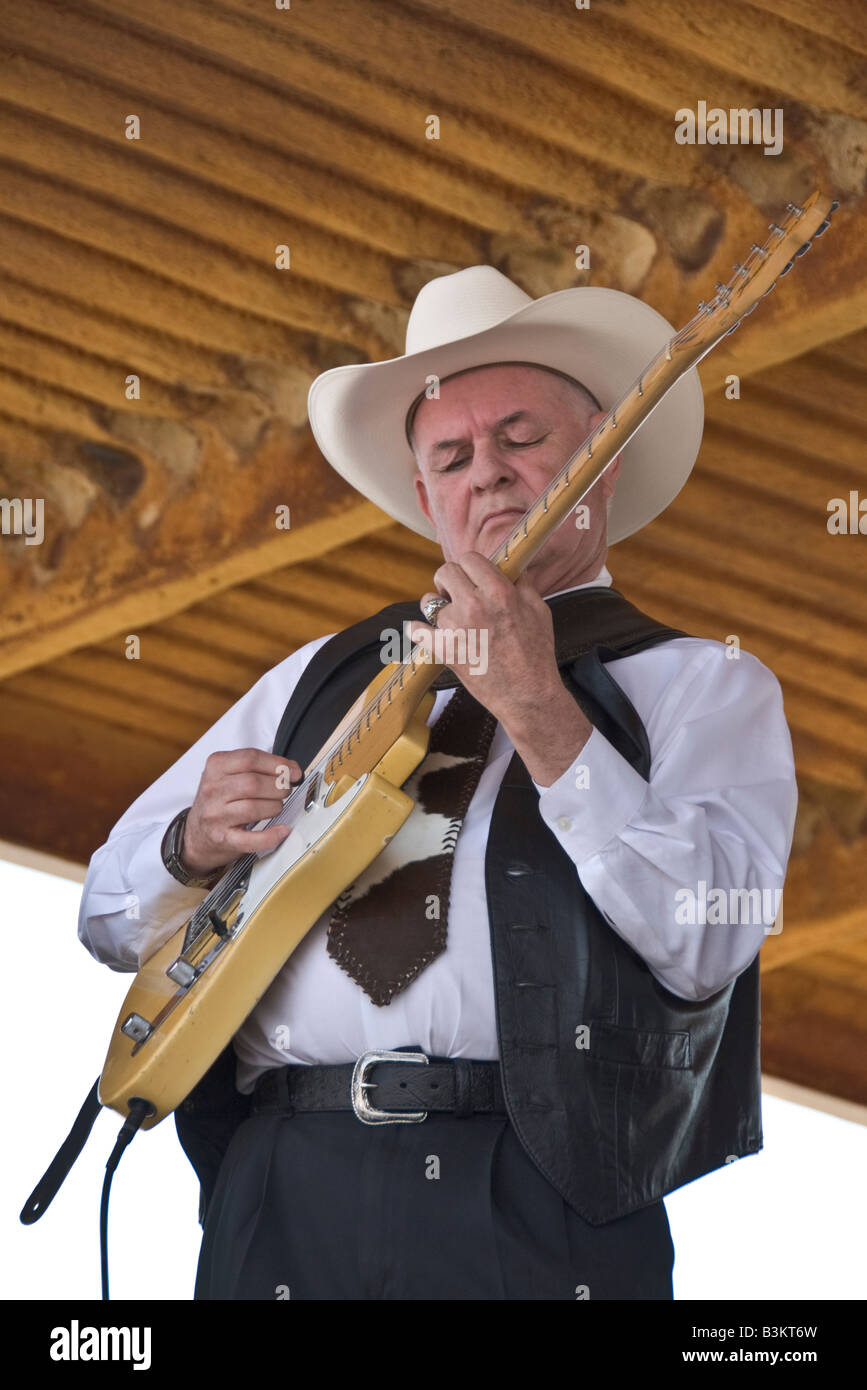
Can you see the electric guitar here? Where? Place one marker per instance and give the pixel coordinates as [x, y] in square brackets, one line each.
[193, 994]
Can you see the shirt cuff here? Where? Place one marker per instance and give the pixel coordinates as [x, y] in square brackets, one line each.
[166, 897]
[594, 799]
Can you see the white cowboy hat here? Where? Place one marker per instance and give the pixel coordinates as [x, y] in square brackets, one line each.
[602, 338]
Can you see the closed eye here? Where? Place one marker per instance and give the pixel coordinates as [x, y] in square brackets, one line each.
[515, 443]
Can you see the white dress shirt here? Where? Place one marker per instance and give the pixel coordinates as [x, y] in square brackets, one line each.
[719, 809]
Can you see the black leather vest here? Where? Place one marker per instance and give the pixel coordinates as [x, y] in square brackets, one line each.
[618, 1090]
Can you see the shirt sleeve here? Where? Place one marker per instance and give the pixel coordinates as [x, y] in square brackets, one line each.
[131, 904]
[667, 861]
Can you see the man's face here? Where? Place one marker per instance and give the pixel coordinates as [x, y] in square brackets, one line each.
[485, 451]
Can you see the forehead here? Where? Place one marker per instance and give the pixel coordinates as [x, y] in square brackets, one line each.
[484, 395]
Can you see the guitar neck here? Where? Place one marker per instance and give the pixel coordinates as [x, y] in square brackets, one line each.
[405, 683]
[713, 322]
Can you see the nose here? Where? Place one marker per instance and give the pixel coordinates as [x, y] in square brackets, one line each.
[491, 466]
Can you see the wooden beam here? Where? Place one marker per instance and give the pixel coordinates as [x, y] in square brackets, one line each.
[41, 862]
[68, 621]
[801, 939]
[816, 1100]
[823, 298]
[813, 1032]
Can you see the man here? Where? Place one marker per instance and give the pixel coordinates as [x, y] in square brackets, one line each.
[595, 1046]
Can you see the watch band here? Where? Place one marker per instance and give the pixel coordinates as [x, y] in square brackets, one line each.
[171, 855]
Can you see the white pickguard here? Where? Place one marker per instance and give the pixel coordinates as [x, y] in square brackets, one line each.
[309, 829]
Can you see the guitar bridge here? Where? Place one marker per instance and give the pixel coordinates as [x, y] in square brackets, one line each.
[181, 972]
[137, 1028]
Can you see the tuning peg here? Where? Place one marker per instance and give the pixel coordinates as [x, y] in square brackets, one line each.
[795, 210]
[772, 227]
[785, 270]
[826, 224]
[802, 250]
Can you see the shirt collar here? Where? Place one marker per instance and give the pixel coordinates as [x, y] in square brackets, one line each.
[602, 580]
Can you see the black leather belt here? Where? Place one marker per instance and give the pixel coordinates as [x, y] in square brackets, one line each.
[384, 1087]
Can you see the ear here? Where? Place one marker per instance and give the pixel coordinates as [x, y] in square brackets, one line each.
[422, 498]
[610, 476]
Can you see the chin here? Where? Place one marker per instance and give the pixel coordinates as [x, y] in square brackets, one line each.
[494, 534]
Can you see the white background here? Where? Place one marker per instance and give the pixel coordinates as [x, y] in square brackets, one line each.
[787, 1223]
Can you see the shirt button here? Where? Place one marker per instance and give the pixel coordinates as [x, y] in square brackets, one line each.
[564, 823]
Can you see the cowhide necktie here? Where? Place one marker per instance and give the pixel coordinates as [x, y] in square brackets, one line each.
[392, 922]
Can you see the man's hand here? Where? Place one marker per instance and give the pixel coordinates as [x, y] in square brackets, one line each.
[236, 789]
[521, 686]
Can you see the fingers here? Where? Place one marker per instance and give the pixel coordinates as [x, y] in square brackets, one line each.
[213, 836]
[255, 786]
[471, 575]
[424, 599]
[239, 842]
[453, 581]
[251, 760]
[250, 774]
[472, 585]
[530, 594]
[248, 812]
[238, 788]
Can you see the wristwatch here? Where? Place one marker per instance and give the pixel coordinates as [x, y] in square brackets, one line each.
[171, 855]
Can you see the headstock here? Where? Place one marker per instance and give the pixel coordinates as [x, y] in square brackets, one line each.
[761, 269]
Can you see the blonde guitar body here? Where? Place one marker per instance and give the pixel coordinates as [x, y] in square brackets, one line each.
[172, 1026]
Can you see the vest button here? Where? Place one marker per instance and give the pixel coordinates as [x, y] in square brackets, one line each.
[518, 870]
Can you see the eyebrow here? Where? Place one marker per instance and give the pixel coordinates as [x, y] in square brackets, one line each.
[443, 444]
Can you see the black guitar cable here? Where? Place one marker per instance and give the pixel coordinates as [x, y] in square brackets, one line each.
[138, 1111]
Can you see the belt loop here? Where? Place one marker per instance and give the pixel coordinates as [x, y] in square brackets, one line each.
[272, 1094]
[463, 1087]
[284, 1084]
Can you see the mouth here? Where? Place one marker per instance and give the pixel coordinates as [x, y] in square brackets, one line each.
[505, 515]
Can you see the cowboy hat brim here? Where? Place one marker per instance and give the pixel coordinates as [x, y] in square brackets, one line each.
[604, 338]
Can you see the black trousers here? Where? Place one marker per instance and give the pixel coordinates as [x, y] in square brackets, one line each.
[318, 1205]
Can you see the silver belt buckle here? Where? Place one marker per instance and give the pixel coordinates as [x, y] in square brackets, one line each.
[367, 1113]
